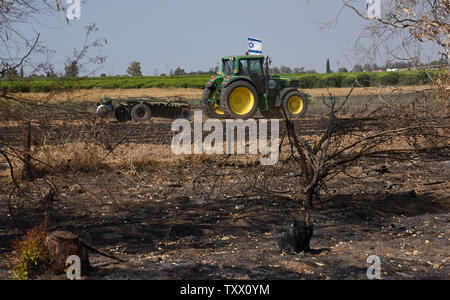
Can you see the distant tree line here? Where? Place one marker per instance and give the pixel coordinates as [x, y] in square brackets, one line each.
[288, 70]
[71, 69]
[409, 64]
[179, 71]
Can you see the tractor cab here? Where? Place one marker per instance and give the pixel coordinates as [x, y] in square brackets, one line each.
[233, 67]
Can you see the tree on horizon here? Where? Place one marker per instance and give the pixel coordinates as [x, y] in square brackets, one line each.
[135, 69]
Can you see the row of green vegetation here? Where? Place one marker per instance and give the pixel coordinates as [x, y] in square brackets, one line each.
[117, 82]
[335, 80]
[366, 79]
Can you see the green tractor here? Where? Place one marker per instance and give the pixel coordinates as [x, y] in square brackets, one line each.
[244, 85]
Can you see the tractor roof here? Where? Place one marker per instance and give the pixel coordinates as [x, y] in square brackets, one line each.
[243, 56]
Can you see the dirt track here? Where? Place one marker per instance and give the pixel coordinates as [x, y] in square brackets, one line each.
[95, 94]
[157, 131]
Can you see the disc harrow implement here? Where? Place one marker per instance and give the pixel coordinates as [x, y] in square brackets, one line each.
[142, 109]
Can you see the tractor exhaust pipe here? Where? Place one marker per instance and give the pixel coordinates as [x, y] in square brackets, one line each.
[267, 75]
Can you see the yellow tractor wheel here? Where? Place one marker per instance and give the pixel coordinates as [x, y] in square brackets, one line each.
[295, 105]
[240, 100]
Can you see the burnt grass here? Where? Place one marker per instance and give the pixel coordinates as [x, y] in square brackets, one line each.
[160, 224]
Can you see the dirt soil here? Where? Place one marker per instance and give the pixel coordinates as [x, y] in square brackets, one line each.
[94, 95]
[156, 219]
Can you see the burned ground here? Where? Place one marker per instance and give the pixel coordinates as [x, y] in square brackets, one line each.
[169, 218]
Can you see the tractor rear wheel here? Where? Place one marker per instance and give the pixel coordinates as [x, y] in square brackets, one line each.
[295, 105]
[239, 100]
[212, 110]
[141, 113]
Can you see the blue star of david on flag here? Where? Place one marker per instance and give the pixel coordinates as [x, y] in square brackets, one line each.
[254, 46]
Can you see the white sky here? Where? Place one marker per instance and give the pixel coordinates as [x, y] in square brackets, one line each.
[194, 34]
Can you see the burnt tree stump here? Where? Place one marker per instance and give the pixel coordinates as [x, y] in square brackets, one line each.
[61, 245]
[297, 239]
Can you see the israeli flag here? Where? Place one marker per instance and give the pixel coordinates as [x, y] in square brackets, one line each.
[254, 46]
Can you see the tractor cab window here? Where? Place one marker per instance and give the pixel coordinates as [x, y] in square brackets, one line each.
[243, 67]
[251, 67]
[228, 67]
[256, 67]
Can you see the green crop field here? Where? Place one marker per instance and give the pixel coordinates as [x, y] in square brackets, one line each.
[119, 82]
[334, 80]
[365, 79]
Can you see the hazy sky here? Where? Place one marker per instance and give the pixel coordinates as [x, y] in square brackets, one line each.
[194, 34]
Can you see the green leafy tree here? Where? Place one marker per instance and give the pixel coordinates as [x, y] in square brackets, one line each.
[134, 69]
[72, 69]
[179, 71]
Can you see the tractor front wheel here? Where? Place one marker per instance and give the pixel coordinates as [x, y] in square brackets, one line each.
[239, 100]
[295, 105]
